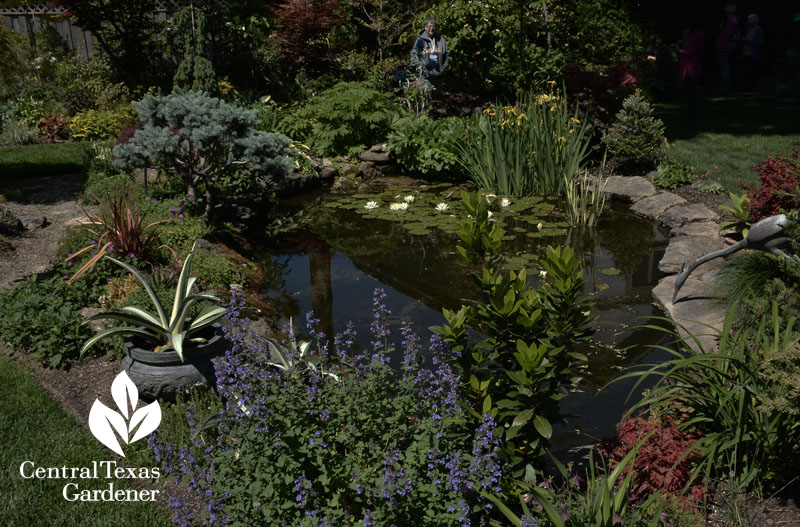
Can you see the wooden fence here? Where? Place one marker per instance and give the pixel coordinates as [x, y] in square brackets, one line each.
[28, 20]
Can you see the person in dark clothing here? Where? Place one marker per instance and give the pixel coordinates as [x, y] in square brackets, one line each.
[690, 63]
[430, 56]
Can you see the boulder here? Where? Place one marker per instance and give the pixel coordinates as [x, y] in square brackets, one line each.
[33, 221]
[374, 157]
[328, 173]
[11, 225]
[368, 170]
[344, 185]
[681, 215]
[694, 310]
[688, 248]
[629, 189]
[653, 206]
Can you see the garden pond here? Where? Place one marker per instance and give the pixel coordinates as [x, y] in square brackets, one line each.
[337, 250]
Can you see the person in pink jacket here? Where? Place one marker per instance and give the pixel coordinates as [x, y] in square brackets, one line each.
[690, 63]
[724, 46]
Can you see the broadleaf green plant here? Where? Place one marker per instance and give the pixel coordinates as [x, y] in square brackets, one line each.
[163, 331]
[741, 215]
[527, 361]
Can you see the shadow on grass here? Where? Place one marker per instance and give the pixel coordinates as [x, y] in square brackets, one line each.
[734, 115]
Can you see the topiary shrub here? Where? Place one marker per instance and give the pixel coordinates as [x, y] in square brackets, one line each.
[212, 146]
[778, 185]
[636, 136]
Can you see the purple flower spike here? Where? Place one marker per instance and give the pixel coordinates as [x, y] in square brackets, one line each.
[172, 209]
[153, 200]
[180, 216]
[66, 277]
[131, 255]
[69, 264]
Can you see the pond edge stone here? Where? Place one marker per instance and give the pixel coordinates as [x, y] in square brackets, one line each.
[694, 231]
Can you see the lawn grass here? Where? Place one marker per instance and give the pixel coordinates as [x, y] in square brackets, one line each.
[41, 160]
[731, 133]
[34, 428]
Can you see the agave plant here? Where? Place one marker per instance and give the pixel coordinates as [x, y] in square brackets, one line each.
[164, 332]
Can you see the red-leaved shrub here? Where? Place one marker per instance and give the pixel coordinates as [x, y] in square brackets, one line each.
[778, 185]
[655, 467]
[53, 128]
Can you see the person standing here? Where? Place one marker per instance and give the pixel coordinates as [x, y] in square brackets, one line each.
[751, 53]
[725, 45]
[430, 56]
[690, 63]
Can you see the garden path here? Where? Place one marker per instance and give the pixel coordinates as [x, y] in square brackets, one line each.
[46, 205]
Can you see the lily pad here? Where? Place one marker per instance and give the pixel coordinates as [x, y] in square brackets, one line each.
[611, 271]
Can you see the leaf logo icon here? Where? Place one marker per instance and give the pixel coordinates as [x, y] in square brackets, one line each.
[103, 421]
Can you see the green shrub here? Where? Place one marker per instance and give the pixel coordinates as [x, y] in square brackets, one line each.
[526, 361]
[95, 125]
[206, 143]
[672, 174]
[636, 135]
[102, 179]
[425, 145]
[346, 119]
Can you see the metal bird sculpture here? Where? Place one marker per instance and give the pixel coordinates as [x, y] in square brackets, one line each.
[765, 235]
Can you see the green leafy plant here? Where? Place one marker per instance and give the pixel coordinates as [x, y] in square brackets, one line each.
[723, 393]
[534, 147]
[195, 72]
[346, 119]
[738, 210]
[425, 145]
[672, 174]
[527, 361]
[164, 332]
[635, 134]
[210, 145]
[41, 316]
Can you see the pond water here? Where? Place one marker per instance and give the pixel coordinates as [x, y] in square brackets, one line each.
[343, 251]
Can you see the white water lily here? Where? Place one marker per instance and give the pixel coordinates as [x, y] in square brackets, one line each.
[489, 213]
[542, 274]
[539, 226]
[409, 199]
[371, 205]
[441, 207]
[398, 206]
[505, 202]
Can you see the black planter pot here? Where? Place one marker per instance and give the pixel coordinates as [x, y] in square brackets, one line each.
[162, 375]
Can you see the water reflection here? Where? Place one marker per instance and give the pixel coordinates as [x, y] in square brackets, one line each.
[334, 266]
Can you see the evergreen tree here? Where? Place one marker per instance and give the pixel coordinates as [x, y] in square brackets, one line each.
[211, 145]
[636, 135]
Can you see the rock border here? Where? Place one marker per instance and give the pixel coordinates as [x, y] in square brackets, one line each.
[694, 231]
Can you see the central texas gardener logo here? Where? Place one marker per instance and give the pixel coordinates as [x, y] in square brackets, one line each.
[103, 421]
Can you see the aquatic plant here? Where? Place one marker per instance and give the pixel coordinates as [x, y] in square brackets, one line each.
[530, 148]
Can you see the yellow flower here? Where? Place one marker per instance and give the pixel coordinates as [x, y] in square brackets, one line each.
[551, 83]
